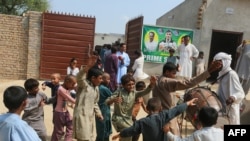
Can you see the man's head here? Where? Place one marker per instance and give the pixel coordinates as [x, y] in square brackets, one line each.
[186, 40]
[168, 35]
[32, 86]
[123, 47]
[113, 49]
[208, 116]
[14, 98]
[95, 76]
[225, 59]
[171, 51]
[151, 36]
[169, 70]
[140, 85]
[154, 105]
[138, 53]
[128, 82]
[69, 82]
[55, 78]
[105, 79]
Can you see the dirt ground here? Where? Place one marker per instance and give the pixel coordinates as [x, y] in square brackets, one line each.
[187, 128]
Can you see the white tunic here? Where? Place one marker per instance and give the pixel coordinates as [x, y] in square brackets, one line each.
[138, 69]
[200, 65]
[229, 85]
[185, 53]
[204, 134]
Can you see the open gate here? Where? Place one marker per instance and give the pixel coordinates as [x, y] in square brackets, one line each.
[63, 37]
[133, 37]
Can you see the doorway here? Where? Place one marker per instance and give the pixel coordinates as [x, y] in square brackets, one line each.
[224, 41]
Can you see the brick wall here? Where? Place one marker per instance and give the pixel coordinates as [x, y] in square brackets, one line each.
[34, 44]
[20, 43]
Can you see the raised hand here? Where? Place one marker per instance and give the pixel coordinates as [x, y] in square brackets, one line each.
[153, 80]
[92, 60]
[192, 102]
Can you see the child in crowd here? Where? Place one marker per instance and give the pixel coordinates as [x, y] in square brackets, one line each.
[33, 112]
[62, 117]
[124, 101]
[208, 118]
[200, 63]
[87, 97]
[104, 128]
[54, 85]
[139, 102]
[72, 69]
[172, 58]
[12, 127]
[130, 71]
[151, 126]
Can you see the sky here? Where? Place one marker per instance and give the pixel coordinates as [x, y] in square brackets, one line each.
[112, 15]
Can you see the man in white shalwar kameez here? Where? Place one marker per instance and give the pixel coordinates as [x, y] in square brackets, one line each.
[123, 62]
[243, 65]
[230, 90]
[187, 53]
[138, 67]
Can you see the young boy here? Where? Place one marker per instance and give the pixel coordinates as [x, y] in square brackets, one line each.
[167, 84]
[104, 128]
[87, 97]
[207, 117]
[151, 126]
[124, 100]
[12, 127]
[172, 58]
[54, 85]
[33, 112]
[200, 63]
[61, 116]
[139, 102]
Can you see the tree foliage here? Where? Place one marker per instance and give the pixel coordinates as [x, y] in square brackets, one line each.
[18, 7]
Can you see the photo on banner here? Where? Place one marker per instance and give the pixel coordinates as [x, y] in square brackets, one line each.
[157, 40]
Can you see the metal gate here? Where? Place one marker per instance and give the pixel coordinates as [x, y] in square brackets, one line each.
[63, 37]
[133, 37]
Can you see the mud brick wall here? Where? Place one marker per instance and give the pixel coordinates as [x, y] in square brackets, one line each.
[20, 42]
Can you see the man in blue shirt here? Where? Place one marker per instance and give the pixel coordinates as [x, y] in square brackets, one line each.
[123, 63]
[12, 127]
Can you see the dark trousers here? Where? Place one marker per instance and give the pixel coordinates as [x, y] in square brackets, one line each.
[61, 120]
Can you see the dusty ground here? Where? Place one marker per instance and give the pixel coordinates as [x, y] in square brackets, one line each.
[187, 128]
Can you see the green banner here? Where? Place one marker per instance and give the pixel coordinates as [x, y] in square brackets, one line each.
[157, 40]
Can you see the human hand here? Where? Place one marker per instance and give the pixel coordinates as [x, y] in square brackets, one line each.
[192, 102]
[100, 117]
[116, 137]
[230, 100]
[166, 128]
[192, 58]
[120, 58]
[140, 100]
[117, 99]
[153, 80]
[92, 60]
[215, 65]
[41, 103]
